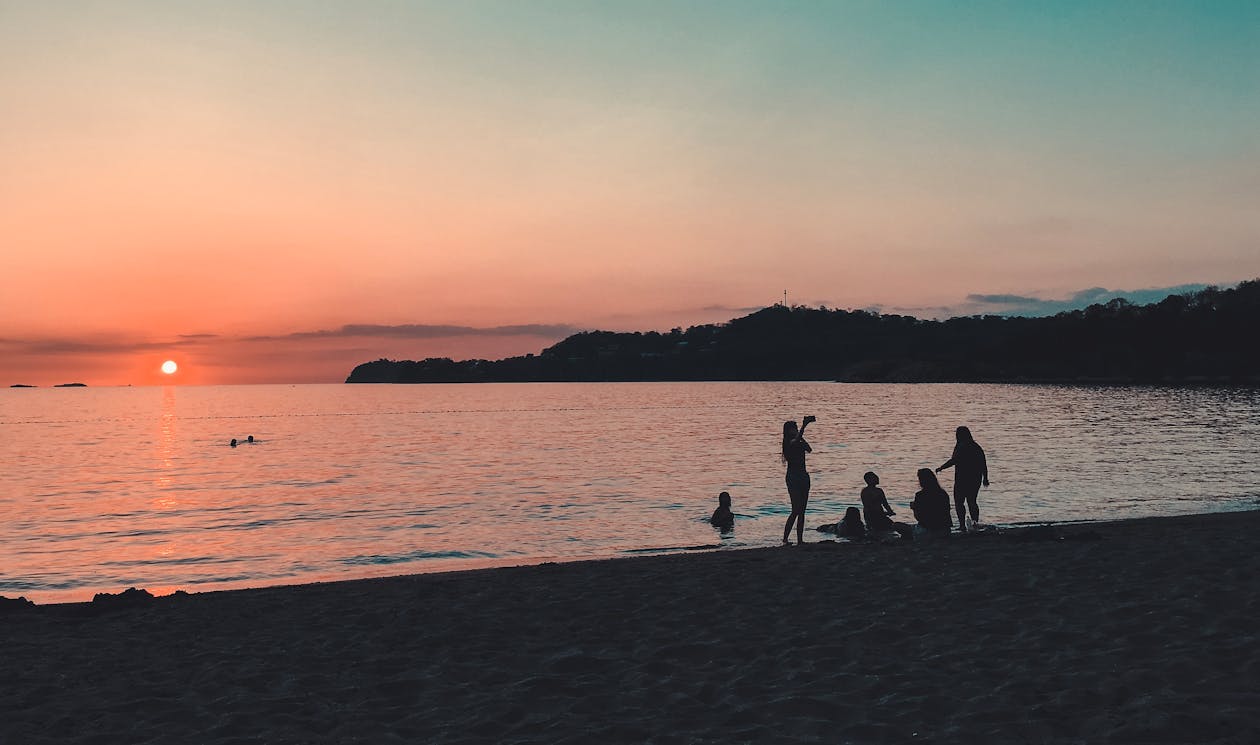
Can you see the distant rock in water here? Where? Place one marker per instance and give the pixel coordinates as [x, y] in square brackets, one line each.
[9, 605]
[70, 385]
[21, 385]
[1192, 339]
[129, 598]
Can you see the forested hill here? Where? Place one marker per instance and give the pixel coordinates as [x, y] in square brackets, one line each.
[1207, 336]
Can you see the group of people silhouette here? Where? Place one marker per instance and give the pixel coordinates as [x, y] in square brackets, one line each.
[931, 505]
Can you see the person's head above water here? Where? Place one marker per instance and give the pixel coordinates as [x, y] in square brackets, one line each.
[249, 439]
[870, 478]
[963, 434]
[724, 499]
[233, 442]
[927, 479]
[853, 515]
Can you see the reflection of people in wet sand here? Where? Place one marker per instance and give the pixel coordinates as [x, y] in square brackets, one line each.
[794, 449]
[931, 505]
[970, 471]
[875, 507]
[723, 519]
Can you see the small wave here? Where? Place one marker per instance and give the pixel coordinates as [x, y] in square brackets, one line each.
[379, 559]
[187, 560]
[415, 526]
[226, 578]
[664, 549]
[282, 520]
[18, 585]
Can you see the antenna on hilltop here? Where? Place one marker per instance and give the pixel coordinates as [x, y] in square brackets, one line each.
[785, 299]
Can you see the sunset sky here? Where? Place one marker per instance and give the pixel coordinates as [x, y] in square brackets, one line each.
[271, 191]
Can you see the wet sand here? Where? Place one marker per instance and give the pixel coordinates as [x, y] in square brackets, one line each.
[1138, 631]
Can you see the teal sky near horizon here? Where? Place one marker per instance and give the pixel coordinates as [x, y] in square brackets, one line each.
[185, 178]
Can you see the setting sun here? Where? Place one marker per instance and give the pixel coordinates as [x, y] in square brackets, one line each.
[169, 367]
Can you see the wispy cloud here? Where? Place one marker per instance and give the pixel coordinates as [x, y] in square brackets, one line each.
[1008, 304]
[1022, 305]
[325, 355]
[117, 344]
[731, 308]
[425, 331]
[97, 345]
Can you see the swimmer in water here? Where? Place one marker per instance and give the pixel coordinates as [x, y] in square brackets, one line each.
[723, 519]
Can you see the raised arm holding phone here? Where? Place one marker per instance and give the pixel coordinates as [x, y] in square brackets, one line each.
[794, 449]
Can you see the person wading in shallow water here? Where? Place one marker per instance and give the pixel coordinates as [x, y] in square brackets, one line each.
[794, 449]
[970, 470]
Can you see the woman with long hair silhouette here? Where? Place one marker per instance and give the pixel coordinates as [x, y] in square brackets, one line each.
[970, 470]
[931, 505]
[794, 449]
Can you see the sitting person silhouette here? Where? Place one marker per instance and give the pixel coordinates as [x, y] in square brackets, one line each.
[931, 505]
[875, 507]
[723, 519]
[851, 526]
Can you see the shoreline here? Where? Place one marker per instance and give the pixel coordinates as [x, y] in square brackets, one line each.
[1005, 531]
[1002, 530]
[1133, 630]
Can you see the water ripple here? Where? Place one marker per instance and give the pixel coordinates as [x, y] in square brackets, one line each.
[410, 556]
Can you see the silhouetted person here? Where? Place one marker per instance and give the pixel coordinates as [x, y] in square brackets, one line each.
[232, 443]
[931, 505]
[794, 449]
[723, 519]
[851, 526]
[970, 470]
[250, 439]
[875, 507]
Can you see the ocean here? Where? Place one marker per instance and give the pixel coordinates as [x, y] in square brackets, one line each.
[107, 488]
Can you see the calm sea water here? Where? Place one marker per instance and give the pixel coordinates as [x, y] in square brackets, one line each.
[103, 489]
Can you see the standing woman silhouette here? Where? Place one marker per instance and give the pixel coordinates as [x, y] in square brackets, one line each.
[970, 471]
[797, 478]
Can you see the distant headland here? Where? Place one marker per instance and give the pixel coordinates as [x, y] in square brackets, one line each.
[70, 385]
[1199, 337]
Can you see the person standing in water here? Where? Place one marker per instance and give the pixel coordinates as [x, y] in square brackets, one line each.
[970, 471]
[794, 449]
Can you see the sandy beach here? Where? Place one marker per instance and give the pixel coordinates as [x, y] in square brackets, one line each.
[1139, 631]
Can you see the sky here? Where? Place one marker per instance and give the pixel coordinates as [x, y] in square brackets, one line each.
[273, 191]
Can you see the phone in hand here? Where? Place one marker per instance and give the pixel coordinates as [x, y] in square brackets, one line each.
[810, 418]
